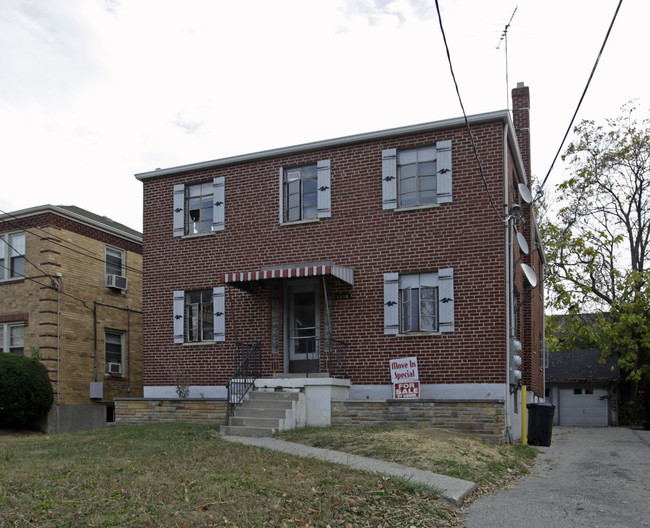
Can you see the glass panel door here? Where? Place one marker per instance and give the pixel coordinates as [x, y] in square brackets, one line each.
[303, 329]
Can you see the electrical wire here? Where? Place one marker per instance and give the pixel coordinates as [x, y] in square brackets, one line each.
[25, 277]
[584, 92]
[6, 241]
[467, 125]
[84, 253]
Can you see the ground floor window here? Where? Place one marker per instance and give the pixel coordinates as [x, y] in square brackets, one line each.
[12, 338]
[199, 315]
[114, 351]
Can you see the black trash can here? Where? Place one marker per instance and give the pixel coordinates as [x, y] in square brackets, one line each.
[540, 423]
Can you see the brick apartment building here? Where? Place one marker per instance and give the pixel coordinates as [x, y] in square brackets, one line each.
[338, 256]
[71, 291]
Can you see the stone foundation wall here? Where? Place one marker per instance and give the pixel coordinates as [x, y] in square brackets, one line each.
[130, 411]
[483, 419]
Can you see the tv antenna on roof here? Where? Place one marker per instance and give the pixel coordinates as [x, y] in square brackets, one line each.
[504, 39]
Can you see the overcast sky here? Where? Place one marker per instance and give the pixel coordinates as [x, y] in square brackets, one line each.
[94, 91]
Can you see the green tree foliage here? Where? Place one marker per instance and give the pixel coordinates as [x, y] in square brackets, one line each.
[599, 241]
[25, 391]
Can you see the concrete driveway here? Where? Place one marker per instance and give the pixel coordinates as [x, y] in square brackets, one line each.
[595, 477]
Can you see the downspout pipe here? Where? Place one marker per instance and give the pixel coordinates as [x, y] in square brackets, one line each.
[508, 284]
[95, 337]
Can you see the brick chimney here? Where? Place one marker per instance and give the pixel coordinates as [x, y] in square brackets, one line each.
[521, 119]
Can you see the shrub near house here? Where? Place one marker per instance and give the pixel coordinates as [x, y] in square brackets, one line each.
[25, 391]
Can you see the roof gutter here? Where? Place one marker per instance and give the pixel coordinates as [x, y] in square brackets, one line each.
[500, 115]
[60, 211]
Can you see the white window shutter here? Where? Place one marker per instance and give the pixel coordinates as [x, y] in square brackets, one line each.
[281, 195]
[389, 178]
[391, 303]
[324, 189]
[219, 204]
[179, 311]
[444, 171]
[219, 309]
[179, 210]
[446, 300]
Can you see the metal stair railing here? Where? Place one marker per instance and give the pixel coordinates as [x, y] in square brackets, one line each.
[248, 363]
[336, 353]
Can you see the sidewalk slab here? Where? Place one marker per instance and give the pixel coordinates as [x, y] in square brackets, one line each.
[452, 489]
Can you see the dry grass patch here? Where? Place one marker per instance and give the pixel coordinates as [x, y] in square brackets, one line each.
[179, 475]
[491, 467]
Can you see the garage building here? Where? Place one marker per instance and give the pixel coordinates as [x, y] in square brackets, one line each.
[583, 390]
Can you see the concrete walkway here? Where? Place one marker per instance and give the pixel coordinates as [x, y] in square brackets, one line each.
[452, 489]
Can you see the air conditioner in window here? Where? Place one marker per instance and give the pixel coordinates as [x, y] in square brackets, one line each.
[116, 282]
[115, 368]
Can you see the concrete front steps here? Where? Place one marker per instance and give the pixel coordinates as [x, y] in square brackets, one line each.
[264, 413]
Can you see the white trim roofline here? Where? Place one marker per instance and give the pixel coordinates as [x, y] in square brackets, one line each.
[499, 115]
[104, 224]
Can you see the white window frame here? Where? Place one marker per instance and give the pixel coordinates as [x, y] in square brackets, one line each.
[396, 283]
[180, 315]
[122, 338]
[6, 337]
[12, 246]
[122, 256]
[323, 192]
[391, 174]
[181, 212]
[412, 288]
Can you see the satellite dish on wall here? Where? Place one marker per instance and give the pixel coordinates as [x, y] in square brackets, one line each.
[530, 274]
[523, 245]
[524, 192]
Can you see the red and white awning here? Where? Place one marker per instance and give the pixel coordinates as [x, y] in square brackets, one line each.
[293, 271]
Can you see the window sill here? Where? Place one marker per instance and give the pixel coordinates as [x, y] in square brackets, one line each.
[298, 222]
[12, 280]
[419, 334]
[199, 343]
[198, 235]
[416, 207]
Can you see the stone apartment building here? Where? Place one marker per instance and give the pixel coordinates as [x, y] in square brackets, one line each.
[332, 259]
[71, 292]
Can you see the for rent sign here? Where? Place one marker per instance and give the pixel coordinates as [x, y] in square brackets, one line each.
[405, 377]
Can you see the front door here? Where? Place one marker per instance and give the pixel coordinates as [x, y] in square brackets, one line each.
[302, 328]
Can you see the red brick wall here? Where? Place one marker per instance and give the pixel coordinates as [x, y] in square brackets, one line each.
[465, 235]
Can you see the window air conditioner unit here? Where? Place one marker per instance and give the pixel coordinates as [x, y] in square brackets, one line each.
[117, 282]
[115, 368]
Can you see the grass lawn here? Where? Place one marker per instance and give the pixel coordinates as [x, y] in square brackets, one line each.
[181, 475]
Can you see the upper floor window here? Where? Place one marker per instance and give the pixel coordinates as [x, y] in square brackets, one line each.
[417, 176]
[300, 193]
[305, 192]
[199, 208]
[419, 302]
[12, 338]
[114, 261]
[12, 256]
[199, 315]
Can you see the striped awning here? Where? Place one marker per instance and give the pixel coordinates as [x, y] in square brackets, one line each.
[292, 271]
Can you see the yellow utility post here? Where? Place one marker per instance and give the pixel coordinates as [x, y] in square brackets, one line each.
[524, 417]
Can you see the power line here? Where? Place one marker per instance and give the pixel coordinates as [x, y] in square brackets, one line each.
[469, 129]
[6, 241]
[49, 287]
[84, 253]
[584, 92]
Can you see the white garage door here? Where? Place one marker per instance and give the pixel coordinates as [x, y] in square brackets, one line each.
[583, 406]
